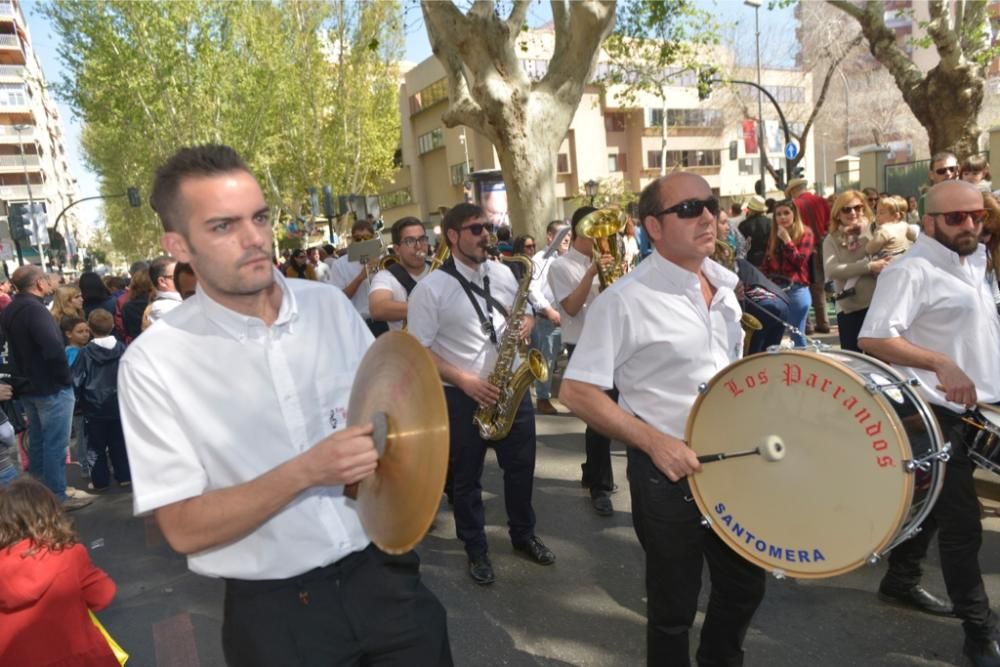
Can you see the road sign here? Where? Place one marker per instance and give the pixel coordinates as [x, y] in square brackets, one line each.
[791, 150]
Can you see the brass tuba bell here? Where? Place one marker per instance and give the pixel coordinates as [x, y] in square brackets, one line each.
[603, 227]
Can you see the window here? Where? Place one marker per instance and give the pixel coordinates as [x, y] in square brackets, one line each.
[429, 96]
[792, 94]
[12, 94]
[562, 163]
[694, 118]
[617, 162]
[395, 198]
[750, 166]
[654, 117]
[654, 159]
[459, 172]
[614, 122]
[695, 158]
[430, 141]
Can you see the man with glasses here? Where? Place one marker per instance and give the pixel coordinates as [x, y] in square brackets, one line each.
[352, 277]
[944, 167]
[460, 313]
[669, 325]
[391, 288]
[161, 274]
[932, 316]
[574, 283]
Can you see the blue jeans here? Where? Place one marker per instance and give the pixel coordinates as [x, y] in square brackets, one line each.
[50, 419]
[9, 476]
[546, 337]
[799, 300]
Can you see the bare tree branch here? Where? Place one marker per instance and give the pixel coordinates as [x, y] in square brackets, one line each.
[448, 29]
[580, 28]
[818, 105]
[518, 16]
[945, 39]
[848, 8]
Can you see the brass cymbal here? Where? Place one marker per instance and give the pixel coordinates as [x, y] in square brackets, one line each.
[397, 388]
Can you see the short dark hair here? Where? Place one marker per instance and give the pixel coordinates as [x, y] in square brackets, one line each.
[26, 276]
[101, 322]
[520, 241]
[70, 322]
[736, 208]
[401, 224]
[579, 214]
[503, 233]
[554, 227]
[92, 287]
[141, 265]
[457, 215]
[363, 224]
[188, 162]
[941, 156]
[649, 200]
[180, 269]
[329, 249]
[158, 268]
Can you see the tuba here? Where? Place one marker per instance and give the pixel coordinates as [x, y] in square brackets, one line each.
[603, 227]
[495, 421]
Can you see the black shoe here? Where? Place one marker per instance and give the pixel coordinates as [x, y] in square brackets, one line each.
[982, 653]
[916, 598]
[602, 505]
[481, 570]
[536, 551]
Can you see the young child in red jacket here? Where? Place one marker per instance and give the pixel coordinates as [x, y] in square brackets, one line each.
[47, 585]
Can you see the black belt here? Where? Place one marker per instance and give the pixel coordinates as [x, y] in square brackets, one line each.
[344, 566]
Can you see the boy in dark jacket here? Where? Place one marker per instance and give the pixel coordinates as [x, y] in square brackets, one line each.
[95, 378]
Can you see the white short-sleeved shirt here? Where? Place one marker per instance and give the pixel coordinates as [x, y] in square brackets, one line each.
[652, 336]
[210, 399]
[564, 277]
[384, 280]
[443, 319]
[541, 291]
[342, 272]
[931, 299]
[327, 276]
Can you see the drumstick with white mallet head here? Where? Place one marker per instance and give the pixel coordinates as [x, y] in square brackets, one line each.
[772, 450]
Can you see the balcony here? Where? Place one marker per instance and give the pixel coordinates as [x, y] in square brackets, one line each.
[12, 73]
[19, 192]
[11, 52]
[28, 161]
[9, 135]
[685, 131]
[8, 12]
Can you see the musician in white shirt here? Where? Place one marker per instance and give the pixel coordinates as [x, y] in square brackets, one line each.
[460, 313]
[656, 334]
[546, 336]
[391, 287]
[933, 317]
[353, 277]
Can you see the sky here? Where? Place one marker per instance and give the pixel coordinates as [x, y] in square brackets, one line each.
[778, 30]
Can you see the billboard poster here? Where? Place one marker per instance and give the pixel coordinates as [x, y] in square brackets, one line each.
[750, 136]
[493, 199]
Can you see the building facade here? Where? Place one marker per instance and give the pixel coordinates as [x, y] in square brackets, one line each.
[615, 142]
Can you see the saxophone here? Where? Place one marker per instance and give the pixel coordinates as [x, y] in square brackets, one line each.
[495, 421]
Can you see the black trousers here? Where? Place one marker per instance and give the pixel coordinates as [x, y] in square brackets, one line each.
[105, 440]
[848, 327]
[368, 608]
[597, 471]
[516, 456]
[955, 517]
[668, 525]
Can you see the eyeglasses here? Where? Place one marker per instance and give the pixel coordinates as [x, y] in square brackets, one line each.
[857, 208]
[529, 246]
[477, 228]
[411, 241]
[362, 237]
[956, 218]
[692, 208]
[946, 170]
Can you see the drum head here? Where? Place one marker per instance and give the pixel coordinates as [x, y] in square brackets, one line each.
[838, 495]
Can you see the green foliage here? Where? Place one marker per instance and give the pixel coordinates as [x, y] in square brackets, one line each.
[654, 42]
[305, 91]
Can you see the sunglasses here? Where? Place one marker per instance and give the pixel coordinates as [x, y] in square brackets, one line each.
[956, 218]
[692, 208]
[945, 170]
[477, 228]
[857, 208]
[529, 245]
[363, 237]
[411, 241]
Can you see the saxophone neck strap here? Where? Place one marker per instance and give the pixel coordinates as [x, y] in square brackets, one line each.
[471, 291]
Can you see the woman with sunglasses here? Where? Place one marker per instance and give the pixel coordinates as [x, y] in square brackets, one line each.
[847, 264]
[789, 251]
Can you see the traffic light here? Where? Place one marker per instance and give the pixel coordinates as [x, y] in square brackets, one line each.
[133, 197]
[328, 202]
[18, 218]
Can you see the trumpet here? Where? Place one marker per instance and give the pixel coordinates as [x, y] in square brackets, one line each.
[603, 227]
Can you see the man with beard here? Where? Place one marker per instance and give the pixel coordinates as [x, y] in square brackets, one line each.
[245, 469]
[460, 313]
[933, 317]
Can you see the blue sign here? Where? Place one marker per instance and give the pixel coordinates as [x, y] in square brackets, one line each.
[791, 150]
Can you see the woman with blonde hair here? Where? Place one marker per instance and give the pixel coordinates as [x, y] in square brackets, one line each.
[67, 302]
[847, 264]
[789, 253]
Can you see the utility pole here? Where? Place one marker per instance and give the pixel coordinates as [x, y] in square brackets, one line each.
[31, 200]
[760, 99]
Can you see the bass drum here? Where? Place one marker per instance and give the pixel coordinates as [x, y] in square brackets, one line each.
[846, 491]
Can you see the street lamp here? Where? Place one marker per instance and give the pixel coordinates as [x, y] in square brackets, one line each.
[760, 98]
[590, 187]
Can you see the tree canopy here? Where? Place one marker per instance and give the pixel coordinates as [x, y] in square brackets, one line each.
[307, 92]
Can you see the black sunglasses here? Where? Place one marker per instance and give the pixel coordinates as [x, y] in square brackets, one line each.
[477, 228]
[692, 208]
[857, 208]
[955, 218]
[945, 170]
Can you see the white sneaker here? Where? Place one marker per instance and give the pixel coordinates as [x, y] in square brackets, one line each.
[73, 492]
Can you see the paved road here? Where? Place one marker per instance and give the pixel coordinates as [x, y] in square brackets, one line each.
[587, 609]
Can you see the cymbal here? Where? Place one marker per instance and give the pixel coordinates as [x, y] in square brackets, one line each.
[397, 388]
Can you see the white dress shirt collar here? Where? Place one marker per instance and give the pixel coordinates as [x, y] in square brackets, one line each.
[240, 326]
[683, 279]
[473, 275]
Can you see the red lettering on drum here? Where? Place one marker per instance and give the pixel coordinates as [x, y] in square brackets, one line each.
[731, 386]
[850, 403]
[826, 383]
[862, 415]
[838, 391]
[874, 429]
[793, 374]
[811, 380]
[762, 377]
[885, 461]
[880, 445]
[750, 381]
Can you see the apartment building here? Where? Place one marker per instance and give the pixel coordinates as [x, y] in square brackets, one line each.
[615, 143]
[34, 166]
